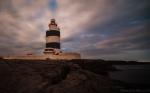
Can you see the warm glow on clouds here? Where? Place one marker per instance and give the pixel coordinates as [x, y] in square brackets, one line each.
[95, 28]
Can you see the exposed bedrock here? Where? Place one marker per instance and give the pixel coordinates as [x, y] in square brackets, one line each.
[49, 77]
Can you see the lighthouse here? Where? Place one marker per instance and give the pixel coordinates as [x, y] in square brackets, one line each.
[52, 48]
[52, 39]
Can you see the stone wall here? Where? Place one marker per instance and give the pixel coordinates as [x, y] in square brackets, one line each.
[61, 56]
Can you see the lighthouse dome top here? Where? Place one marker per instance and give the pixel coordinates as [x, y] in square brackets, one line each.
[53, 25]
[52, 20]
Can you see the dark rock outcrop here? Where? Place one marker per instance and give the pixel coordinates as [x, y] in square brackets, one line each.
[20, 76]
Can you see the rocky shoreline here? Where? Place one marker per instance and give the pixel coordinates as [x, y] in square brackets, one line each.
[22, 76]
[62, 76]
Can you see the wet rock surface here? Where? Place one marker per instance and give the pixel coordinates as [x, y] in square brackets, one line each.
[20, 76]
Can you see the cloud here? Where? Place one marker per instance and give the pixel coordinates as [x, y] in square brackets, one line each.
[112, 28]
[95, 28]
[130, 38]
[77, 17]
[17, 30]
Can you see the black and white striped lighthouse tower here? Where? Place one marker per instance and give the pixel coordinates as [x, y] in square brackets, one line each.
[52, 39]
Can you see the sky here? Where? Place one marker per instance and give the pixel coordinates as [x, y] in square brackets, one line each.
[98, 29]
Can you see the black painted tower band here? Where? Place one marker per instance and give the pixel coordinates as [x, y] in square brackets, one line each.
[52, 33]
[53, 45]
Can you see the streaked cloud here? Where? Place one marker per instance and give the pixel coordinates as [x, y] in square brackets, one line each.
[95, 28]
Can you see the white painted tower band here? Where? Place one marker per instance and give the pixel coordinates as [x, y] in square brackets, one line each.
[51, 39]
